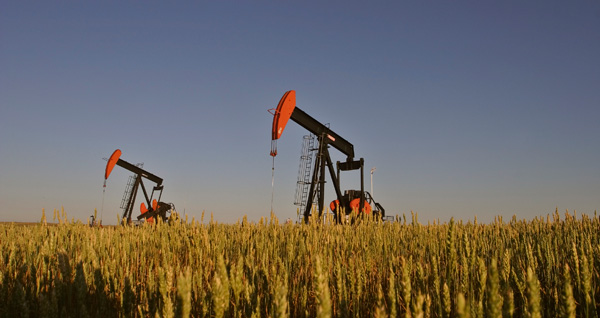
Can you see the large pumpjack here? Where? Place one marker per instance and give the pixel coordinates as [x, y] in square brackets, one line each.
[351, 200]
[154, 208]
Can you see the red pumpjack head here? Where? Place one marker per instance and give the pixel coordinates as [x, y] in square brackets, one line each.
[112, 161]
[281, 116]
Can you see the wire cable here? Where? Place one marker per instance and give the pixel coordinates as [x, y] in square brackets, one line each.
[102, 209]
[272, 183]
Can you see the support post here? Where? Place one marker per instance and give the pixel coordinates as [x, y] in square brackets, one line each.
[322, 161]
[315, 178]
[362, 185]
[129, 207]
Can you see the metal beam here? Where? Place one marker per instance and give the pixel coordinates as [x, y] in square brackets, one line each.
[316, 128]
[140, 171]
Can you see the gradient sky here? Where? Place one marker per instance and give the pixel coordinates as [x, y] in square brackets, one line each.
[470, 108]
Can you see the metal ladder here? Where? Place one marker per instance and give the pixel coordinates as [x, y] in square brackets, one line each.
[129, 188]
[306, 157]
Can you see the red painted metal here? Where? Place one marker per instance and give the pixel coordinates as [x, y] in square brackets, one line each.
[112, 161]
[284, 111]
[355, 206]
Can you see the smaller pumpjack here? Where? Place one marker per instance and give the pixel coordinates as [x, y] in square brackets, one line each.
[155, 208]
[351, 200]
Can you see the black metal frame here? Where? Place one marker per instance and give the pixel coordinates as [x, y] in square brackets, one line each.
[141, 173]
[326, 137]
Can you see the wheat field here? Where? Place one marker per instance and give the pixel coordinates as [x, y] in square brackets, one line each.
[546, 267]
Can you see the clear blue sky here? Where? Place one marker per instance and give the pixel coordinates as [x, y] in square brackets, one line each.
[466, 108]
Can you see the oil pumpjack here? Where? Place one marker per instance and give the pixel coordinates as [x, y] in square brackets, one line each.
[155, 208]
[351, 200]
